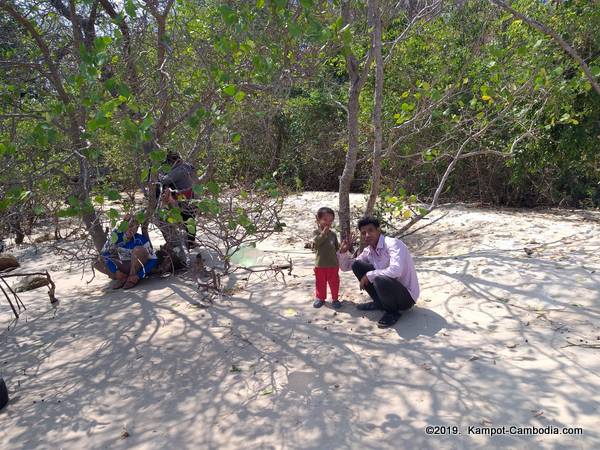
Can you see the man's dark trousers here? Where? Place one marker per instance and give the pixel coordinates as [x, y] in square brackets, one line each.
[387, 293]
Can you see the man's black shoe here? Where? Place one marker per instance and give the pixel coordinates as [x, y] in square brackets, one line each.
[389, 319]
[371, 306]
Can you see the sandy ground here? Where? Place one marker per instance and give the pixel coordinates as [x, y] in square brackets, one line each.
[495, 340]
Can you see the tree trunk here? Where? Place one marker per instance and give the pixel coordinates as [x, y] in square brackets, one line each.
[357, 77]
[377, 127]
[350, 165]
[209, 160]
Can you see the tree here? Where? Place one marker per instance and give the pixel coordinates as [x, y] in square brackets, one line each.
[357, 77]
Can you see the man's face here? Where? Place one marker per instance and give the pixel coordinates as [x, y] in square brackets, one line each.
[131, 229]
[369, 234]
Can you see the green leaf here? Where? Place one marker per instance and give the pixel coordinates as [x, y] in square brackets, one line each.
[124, 90]
[239, 96]
[68, 212]
[190, 224]
[147, 123]
[112, 214]
[213, 187]
[111, 84]
[236, 138]
[102, 43]
[566, 117]
[175, 215]
[2, 149]
[199, 189]
[230, 89]
[130, 9]
[158, 155]
[195, 118]
[123, 226]
[229, 15]
[113, 195]
[294, 29]
[193, 121]
[73, 201]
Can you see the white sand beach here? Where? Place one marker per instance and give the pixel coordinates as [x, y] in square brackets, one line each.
[499, 337]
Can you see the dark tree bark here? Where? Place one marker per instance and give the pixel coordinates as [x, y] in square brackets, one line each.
[358, 77]
[377, 126]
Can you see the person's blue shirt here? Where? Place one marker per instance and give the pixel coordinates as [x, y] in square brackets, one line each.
[125, 247]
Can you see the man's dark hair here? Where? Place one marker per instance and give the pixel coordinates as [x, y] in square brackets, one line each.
[368, 220]
[172, 157]
[325, 210]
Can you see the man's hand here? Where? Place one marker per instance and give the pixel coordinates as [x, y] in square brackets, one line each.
[344, 246]
[347, 243]
[167, 198]
[364, 282]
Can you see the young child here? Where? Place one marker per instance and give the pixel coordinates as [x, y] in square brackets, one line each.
[326, 263]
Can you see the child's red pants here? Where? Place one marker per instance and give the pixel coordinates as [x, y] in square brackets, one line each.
[325, 275]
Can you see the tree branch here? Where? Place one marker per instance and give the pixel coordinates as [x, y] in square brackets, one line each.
[556, 37]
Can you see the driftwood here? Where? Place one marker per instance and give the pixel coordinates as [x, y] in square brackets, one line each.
[581, 343]
[19, 303]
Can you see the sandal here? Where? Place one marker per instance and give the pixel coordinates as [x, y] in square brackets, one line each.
[389, 319]
[131, 281]
[120, 279]
[118, 284]
[318, 303]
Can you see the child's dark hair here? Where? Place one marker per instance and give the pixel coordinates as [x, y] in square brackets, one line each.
[368, 220]
[325, 210]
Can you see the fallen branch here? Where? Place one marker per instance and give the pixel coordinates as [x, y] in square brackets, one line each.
[583, 343]
[20, 304]
[214, 278]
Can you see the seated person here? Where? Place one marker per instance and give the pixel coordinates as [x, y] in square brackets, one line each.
[128, 259]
